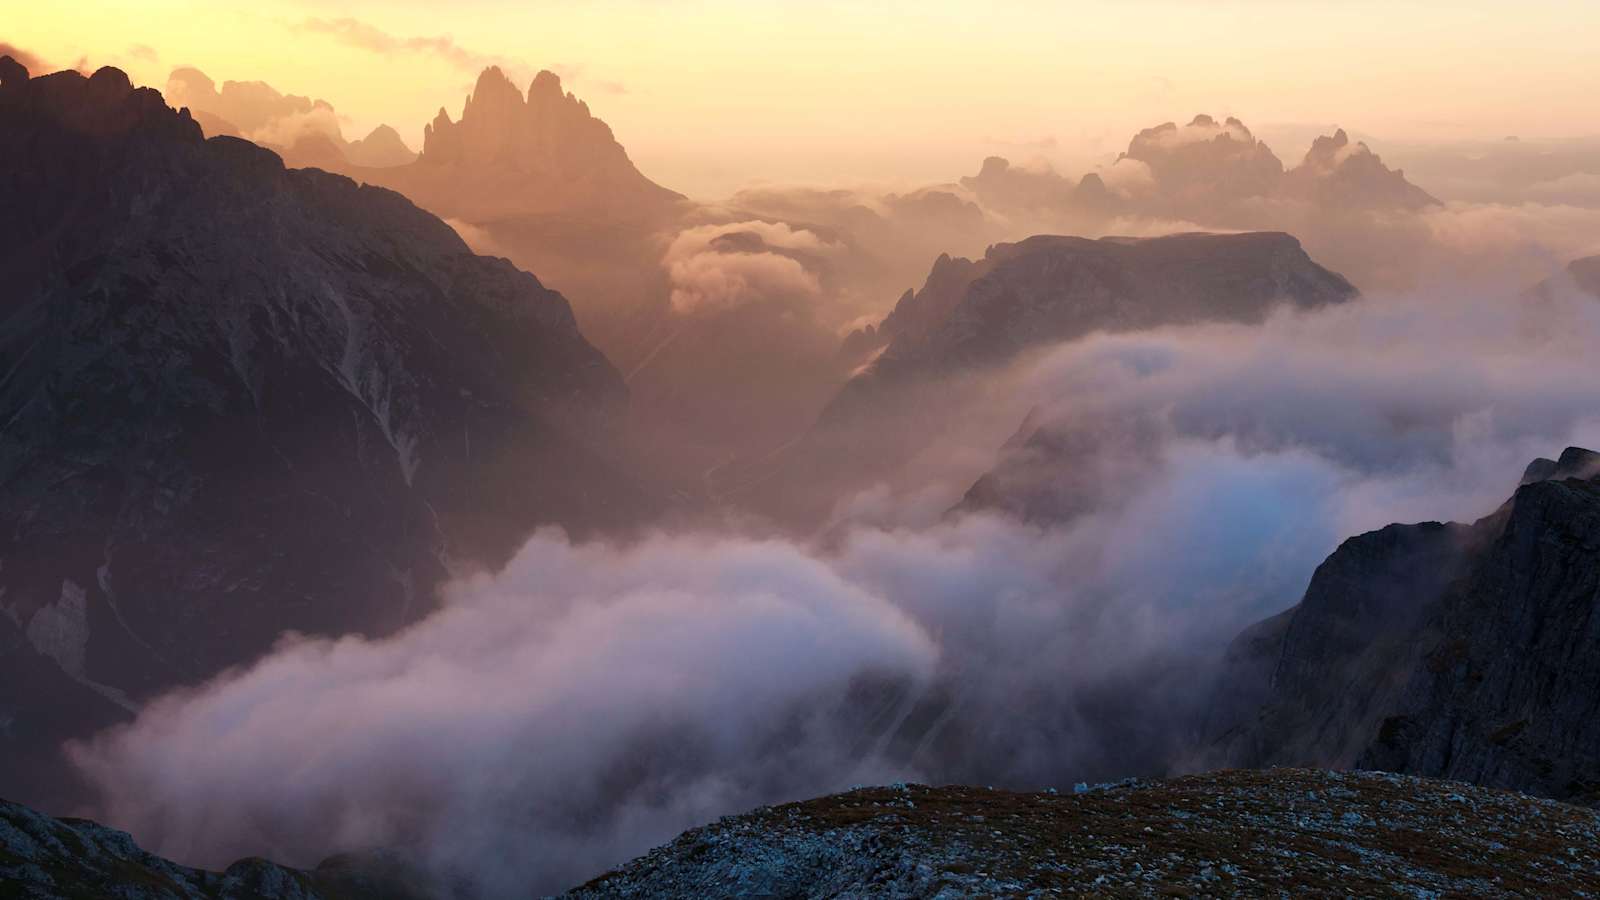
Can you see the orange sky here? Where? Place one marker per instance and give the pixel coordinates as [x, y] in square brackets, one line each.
[712, 94]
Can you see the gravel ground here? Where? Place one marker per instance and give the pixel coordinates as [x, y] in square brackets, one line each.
[1275, 832]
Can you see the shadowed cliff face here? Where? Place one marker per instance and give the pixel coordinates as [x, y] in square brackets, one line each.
[1464, 652]
[239, 400]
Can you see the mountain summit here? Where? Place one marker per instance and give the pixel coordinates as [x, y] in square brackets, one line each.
[517, 155]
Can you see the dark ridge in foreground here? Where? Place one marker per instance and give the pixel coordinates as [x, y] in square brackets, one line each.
[43, 858]
[1278, 832]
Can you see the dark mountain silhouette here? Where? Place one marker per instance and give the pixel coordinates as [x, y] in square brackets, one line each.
[45, 858]
[240, 400]
[1458, 651]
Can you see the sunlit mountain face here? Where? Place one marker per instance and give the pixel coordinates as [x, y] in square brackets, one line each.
[447, 453]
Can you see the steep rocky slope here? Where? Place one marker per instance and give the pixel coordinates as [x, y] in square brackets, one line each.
[239, 400]
[1282, 832]
[1460, 651]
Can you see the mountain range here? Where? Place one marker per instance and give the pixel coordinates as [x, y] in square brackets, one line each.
[246, 397]
[240, 400]
[305, 132]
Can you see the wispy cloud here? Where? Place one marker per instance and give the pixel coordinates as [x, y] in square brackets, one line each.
[366, 36]
[31, 62]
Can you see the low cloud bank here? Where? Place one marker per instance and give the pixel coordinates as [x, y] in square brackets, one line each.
[590, 701]
[714, 268]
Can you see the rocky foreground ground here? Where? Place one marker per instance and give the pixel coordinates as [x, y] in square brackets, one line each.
[1265, 833]
[1277, 833]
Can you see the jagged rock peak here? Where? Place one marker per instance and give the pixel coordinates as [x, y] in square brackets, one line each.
[546, 129]
[545, 84]
[1574, 462]
[12, 72]
[104, 104]
[1340, 172]
[1328, 151]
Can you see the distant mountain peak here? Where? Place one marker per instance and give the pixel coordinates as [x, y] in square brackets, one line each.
[1204, 160]
[513, 152]
[545, 84]
[1339, 172]
[382, 147]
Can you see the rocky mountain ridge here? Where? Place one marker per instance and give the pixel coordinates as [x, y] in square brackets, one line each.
[1209, 172]
[1445, 650]
[240, 400]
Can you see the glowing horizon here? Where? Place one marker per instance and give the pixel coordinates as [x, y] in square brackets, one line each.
[710, 95]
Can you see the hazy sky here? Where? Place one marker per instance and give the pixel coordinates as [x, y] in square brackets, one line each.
[707, 95]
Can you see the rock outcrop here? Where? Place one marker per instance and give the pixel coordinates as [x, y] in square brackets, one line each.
[239, 400]
[1283, 832]
[1458, 651]
[43, 858]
